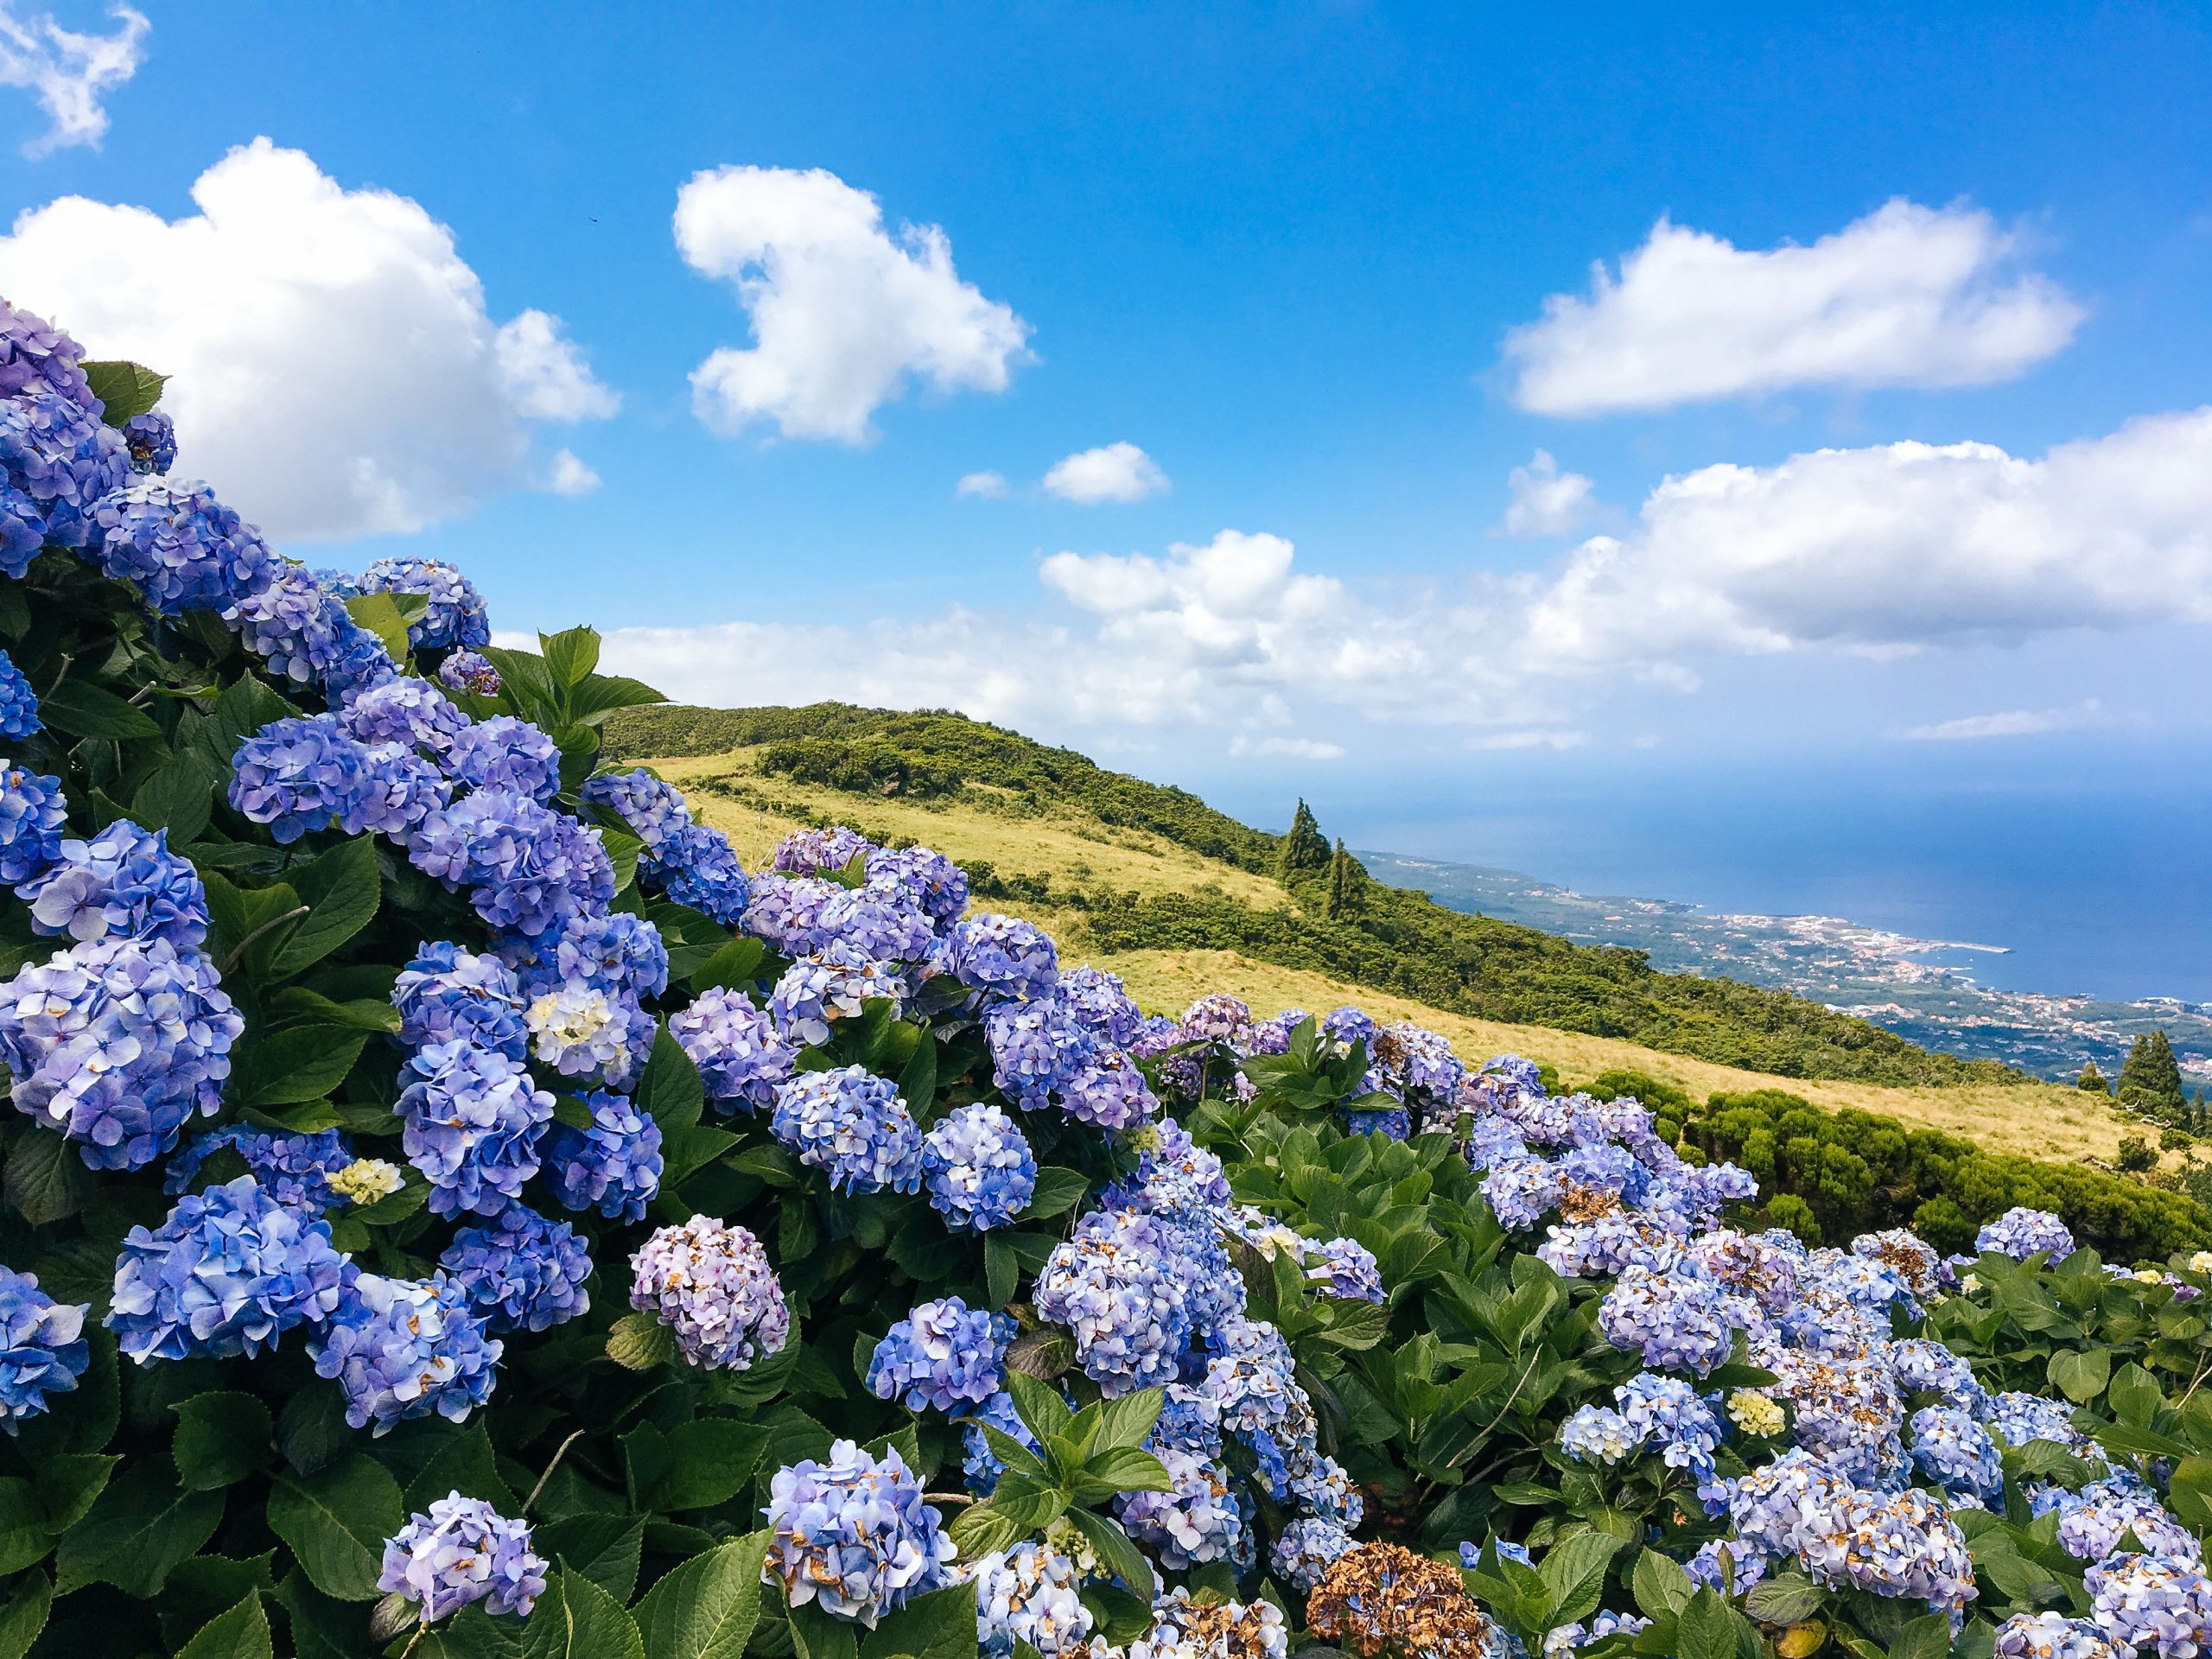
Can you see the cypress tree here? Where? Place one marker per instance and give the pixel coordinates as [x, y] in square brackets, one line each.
[2151, 1075]
[1339, 883]
[2091, 1081]
[1304, 846]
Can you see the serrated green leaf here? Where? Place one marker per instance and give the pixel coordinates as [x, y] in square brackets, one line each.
[639, 1342]
[570, 656]
[1058, 1190]
[178, 796]
[670, 1092]
[24, 1616]
[341, 889]
[604, 1548]
[126, 390]
[241, 1633]
[286, 1067]
[381, 615]
[1660, 1586]
[706, 1461]
[142, 1526]
[576, 1619]
[336, 1521]
[45, 1179]
[708, 1607]
[940, 1625]
[221, 1438]
[83, 709]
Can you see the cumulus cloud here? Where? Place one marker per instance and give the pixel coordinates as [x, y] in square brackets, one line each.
[1906, 296]
[1113, 471]
[989, 487]
[333, 371]
[2012, 722]
[68, 72]
[1541, 500]
[844, 313]
[570, 475]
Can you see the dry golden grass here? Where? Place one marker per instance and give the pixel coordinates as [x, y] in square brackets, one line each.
[2033, 1120]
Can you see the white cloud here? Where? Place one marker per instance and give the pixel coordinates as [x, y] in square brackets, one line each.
[68, 72]
[546, 375]
[570, 475]
[1113, 471]
[1541, 500]
[2012, 722]
[990, 487]
[1290, 748]
[1906, 296]
[843, 313]
[333, 371]
[1530, 739]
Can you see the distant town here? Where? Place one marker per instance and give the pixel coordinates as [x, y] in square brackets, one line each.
[1877, 975]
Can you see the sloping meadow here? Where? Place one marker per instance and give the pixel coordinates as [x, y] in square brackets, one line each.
[451, 1207]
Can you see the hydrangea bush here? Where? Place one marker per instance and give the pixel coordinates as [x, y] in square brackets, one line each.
[453, 1207]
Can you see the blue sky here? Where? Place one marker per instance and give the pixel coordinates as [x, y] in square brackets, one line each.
[1281, 251]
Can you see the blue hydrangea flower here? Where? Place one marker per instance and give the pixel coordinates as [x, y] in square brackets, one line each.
[978, 1168]
[817, 991]
[528, 869]
[1103, 1004]
[653, 809]
[447, 994]
[32, 814]
[124, 883]
[1037, 1048]
[1201, 1519]
[816, 852]
[614, 1166]
[2021, 1232]
[1305, 1549]
[22, 531]
[462, 1552]
[741, 1055]
[399, 791]
[472, 1122]
[710, 1283]
[1956, 1452]
[468, 670]
[609, 950]
[1111, 1286]
[2151, 1605]
[1029, 1594]
[504, 753]
[2052, 1635]
[456, 615]
[1742, 1568]
[784, 911]
[521, 1273]
[404, 1347]
[980, 1466]
[185, 550]
[229, 1272]
[36, 356]
[853, 1536]
[116, 1044]
[307, 635]
[852, 1126]
[1396, 1121]
[57, 455]
[1109, 1093]
[152, 440]
[580, 1032]
[1677, 1322]
[697, 867]
[1345, 1269]
[874, 924]
[942, 1355]
[18, 703]
[403, 710]
[299, 774]
[923, 880]
[998, 956]
[291, 1168]
[42, 1347]
[1218, 1018]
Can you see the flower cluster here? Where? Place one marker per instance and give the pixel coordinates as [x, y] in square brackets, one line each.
[404, 1347]
[2021, 1232]
[473, 1118]
[853, 1535]
[1028, 1594]
[124, 883]
[42, 1347]
[710, 1283]
[461, 1553]
[742, 1056]
[294, 1168]
[521, 1273]
[853, 1126]
[454, 615]
[977, 1169]
[614, 1166]
[229, 1272]
[943, 1356]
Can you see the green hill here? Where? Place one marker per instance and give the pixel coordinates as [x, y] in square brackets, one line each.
[1262, 896]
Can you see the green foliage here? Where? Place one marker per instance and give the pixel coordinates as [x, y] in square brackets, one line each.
[1304, 846]
[2092, 1081]
[2149, 1081]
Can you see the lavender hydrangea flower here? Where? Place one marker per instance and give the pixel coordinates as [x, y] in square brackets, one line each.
[399, 791]
[151, 440]
[462, 1552]
[942, 1355]
[32, 814]
[1102, 1004]
[1346, 1270]
[2021, 1232]
[852, 1125]
[116, 1044]
[504, 753]
[307, 635]
[455, 614]
[817, 991]
[1305, 1548]
[406, 710]
[874, 924]
[36, 356]
[1742, 1569]
[18, 703]
[710, 1283]
[471, 1121]
[1111, 1287]
[853, 1536]
[785, 912]
[229, 1272]
[816, 852]
[653, 809]
[528, 869]
[922, 879]
[124, 883]
[447, 994]
[1028, 1594]
[1676, 1323]
[468, 670]
[1956, 1452]
[42, 1347]
[1109, 1093]
[405, 1348]
[614, 1166]
[609, 950]
[299, 774]
[697, 866]
[1036, 1048]
[741, 1055]
[185, 550]
[2053, 1635]
[292, 1167]
[62, 460]
[521, 1273]
[998, 956]
[1200, 1519]
[2153, 1606]
[1218, 1018]
[978, 1168]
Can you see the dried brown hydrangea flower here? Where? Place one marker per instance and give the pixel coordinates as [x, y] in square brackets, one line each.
[1384, 1598]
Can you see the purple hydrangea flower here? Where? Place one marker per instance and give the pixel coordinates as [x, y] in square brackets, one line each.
[504, 753]
[1038, 1048]
[2149, 1605]
[1103, 1004]
[697, 866]
[455, 614]
[1305, 1549]
[1201, 1519]
[18, 703]
[447, 994]
[998, 956]
[473, 1118]
[2053, 1635]
[785, 912]
[741, 1055]
[978, 1168]
[399, 791]
[922, 879]
[614, 1166]
[299, 774]
[1029, 1594]
[1218, 1018]
[652, 809]
[462, 1552]
[1112, 1286]
[58, 460]
[942, 1355]
[307, 635]
[852, 1126]
[468, 670]
[1109, 1093]
[405, 1348]
[229, 1272]
[709, 1281]
[42, 1347]
[528, 868]
[853, 1535]
[36, 356]
[1956, 1452]
[817, 991]
[1675, 1322]
[814, 852]
[185, 550]
[291, 1168]
[32, 814]
[874, 924]
[521, 1273]
[152, 440]
[1345, 1269]
[406, 710]
[2021, 1232]
[124, 883]
[116, 1044]
[609, 950]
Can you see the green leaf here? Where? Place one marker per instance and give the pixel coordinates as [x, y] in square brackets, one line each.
[286, 1067]
[126, 391]
[1660, 1585]
[576, 1619]
[707, 1608]
[241, 1633]
[204, 1586]
[464, 1464]
[24, 1616]
[25, 1537]
[918, 1080]
[938, 1625]
[1125, 1469]
[1127, 1419]
[336, 1521]
[815, 1635]
[340, 889]
[323, 1629]
[570, 656]
[1786, 1598]
[142, 1526]
[639, 1342]
[68, 1483]
[1002, 1268]
[1924, 1638]
[381, 615]
[670, 1092]
[1058, 1190]
[706, 1461]
[1707, 1629]
[1574, 1570]
[177, 796]
[221, 1436]
[2081, 1374]
[45, 1179]
[2135, 1396]
[734, 967]
[83, 709]
[1117, 1552]
[1039, 1406]
[605, 1548]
